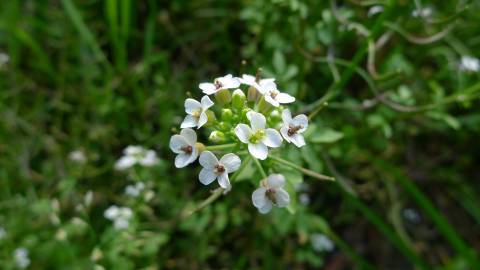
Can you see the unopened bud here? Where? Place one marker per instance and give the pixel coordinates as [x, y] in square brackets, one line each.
[200, 147]
[223, 96]
[253, 94]
[227, 115]
[211, 117]
[217, 136]
[238, 99]
[263, 106]
[223, 126]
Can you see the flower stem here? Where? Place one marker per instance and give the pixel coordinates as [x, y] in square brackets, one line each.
[260, 168]
[303, 170]
[220, 146]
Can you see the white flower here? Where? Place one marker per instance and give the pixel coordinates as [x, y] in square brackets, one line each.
[225, 82]
[257, 137]
[218, 169]
[422, 12]
[251, 81]
[271, 193]
[321, 242]
[135, 154]
[292, 128]
[197, 116]
[119, 215]
[375, 10]
[411, 215]
[134, 190]
[273, 96]
[4, 58]
[184, 146]
[21, 257]
[468, 63]
[77, 156]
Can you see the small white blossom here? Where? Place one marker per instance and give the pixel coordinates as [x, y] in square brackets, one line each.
[225, 82]
[88, 198]
[304, 198]
[273, 96]
[292, 128]
[135, 154]
[271, 193]
[134, 190]
[119, 215]
[184, 146]
[422, 12]
[257, 137]
[411, 215]
[21, 258]
[321, 242]
[4, 59]
[218, 169]
[196, 112]
[77, 156]
[251, 81]
[375, 10]
[470, 64]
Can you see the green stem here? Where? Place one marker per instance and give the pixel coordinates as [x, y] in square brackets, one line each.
[220, 146]
[260, 168]
[302, 170]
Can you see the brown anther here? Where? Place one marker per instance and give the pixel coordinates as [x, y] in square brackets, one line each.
[270, 193]
[218, 84]
[273, 94]
[292, 130]
[187, 149]
[219, 168]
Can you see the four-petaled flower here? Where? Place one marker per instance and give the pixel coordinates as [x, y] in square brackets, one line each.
[257, 137]
[252, 81]
[184, 146]
[135, 154]
[196, 112]
[225, 82]
[270, 193]
[217, 169]
[273, 96]
[292, 128]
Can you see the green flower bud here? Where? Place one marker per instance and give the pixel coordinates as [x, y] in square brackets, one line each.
[223, 126]
[223, 97]
[227, 115]
[238, 99]
[253, 94]
[264, 107]
[211, 117]
[200, 147]
[217, 136]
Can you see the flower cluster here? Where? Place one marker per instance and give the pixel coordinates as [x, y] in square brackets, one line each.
[250, 121]
[133, 155]
[119, 215]
[21, 257]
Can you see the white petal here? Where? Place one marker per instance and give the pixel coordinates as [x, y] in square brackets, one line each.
[268, 85]
[208, 160]
[257, 120]
[284, 131]
[229, 82]
[231, 162]
[208, 88]
[301, 120]
[298, 140]
[282, 197]
[189, 122]
[149, 159]
[177, 142]
[206, 176]
[267, 81]
[182, 160]
[111, 212]
[248, 79]
[243, 132]
[286, 116]
[266, 208]
[133, 150]
[223, 180]
[258, 197]
[276, 181]
[202, 120]
[189, 135]
[206, 103]
[272, 138]
[191, 105]
[284, 98]
[125, 162]
[258, 150]
[270, 100]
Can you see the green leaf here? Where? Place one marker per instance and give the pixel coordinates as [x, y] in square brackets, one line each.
[326, 136]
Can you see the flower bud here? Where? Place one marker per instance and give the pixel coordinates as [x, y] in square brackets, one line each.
[200, 147]
[227, 115]
[217, 136]
[223, 126]
[211, 117]
[238, 99]
[223, 97]
[253, 94]
[264, 107]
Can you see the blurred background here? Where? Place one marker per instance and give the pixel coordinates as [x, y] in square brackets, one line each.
[392, 86]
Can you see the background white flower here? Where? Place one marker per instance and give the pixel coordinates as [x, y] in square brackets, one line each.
[321, 242]
[119, 215]
[196, 112]
[135, 154]
[273, 96]
[134, 190]
[257, 137]
[21, 258]
[218, 169]
[292, 128]
[271, 193]
[225, 82]
[184, 146]
[3, 232]
[468, 63]
[78, 156]
[251, 81]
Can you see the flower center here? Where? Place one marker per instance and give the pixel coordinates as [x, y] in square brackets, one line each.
[274, 94]
[219, 168]
[218, 84]
[270, 193]
[292, 130]
[257, 136]
[197, 113]
[188, 149]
